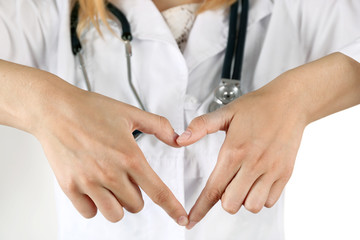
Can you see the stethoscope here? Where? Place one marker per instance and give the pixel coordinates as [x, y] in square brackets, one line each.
[229, 88]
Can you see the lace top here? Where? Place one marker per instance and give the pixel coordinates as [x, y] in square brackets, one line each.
[180, 20]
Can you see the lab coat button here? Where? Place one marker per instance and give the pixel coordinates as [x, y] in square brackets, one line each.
[191, 102]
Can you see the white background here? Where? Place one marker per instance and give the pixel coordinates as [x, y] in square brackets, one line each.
[322, 197]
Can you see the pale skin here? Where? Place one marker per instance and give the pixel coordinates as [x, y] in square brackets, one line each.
[87, 137]
[264, 130]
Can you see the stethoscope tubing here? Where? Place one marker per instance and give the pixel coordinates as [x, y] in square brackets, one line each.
[84, 71]
[240, 48]
[236, 41]
[230, 49]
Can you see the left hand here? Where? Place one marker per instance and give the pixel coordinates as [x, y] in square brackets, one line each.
[263, 134]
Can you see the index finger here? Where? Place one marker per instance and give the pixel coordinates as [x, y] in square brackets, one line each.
[224, 171]
[159, 193]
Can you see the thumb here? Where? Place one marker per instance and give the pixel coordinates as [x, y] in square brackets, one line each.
[156, 125]
[203, 125]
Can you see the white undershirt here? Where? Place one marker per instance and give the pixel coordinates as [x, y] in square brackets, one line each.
[180, 20]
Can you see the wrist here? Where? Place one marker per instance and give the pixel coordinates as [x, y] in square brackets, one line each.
[17, 95]
[285, 96]
[52, 99]
[27, 95]
[320, 88]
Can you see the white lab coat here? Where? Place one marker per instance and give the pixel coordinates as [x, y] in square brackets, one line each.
[282, 34]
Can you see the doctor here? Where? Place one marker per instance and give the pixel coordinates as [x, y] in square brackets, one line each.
[301, 63]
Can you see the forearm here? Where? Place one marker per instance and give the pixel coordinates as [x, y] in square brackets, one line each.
[319, 88]
[24, 93]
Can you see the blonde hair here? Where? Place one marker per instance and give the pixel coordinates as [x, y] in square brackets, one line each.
[91, 11]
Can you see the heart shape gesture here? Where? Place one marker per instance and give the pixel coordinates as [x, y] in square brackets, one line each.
[97, 171]
[80, 133]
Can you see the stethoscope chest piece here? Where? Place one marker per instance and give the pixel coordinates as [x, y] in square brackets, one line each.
[227, 92]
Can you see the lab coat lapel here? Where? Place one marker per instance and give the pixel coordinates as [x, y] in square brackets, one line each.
[258, 10]
[208, 36]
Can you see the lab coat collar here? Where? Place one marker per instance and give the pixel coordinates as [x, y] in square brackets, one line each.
[147, 22]
[208, 36]
[259, 9]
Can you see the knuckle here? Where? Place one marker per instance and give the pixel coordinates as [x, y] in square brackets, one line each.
[136, 208]
[275, 166]
[255, 167]
[162, 196]
[251, 170]
[202, 121]
[87, 182]
[112, 212]
[88, 213]
[108, 207]
[164, 122]
[233, 157]
[253, 206]
[131, 162]
[287, 174]
[69, 187]
[282, 170]
[213, 195]
[230, 207]
[198, 123]
[270, 203]
[116, 217]
[110, 178]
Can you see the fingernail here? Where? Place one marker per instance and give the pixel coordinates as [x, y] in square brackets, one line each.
[183, 221]
[191, 225]
[184, 136]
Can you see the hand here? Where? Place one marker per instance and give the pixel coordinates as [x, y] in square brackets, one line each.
[263, 134]
[88, 141]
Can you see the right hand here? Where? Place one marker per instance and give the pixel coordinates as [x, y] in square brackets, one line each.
[88, 141]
